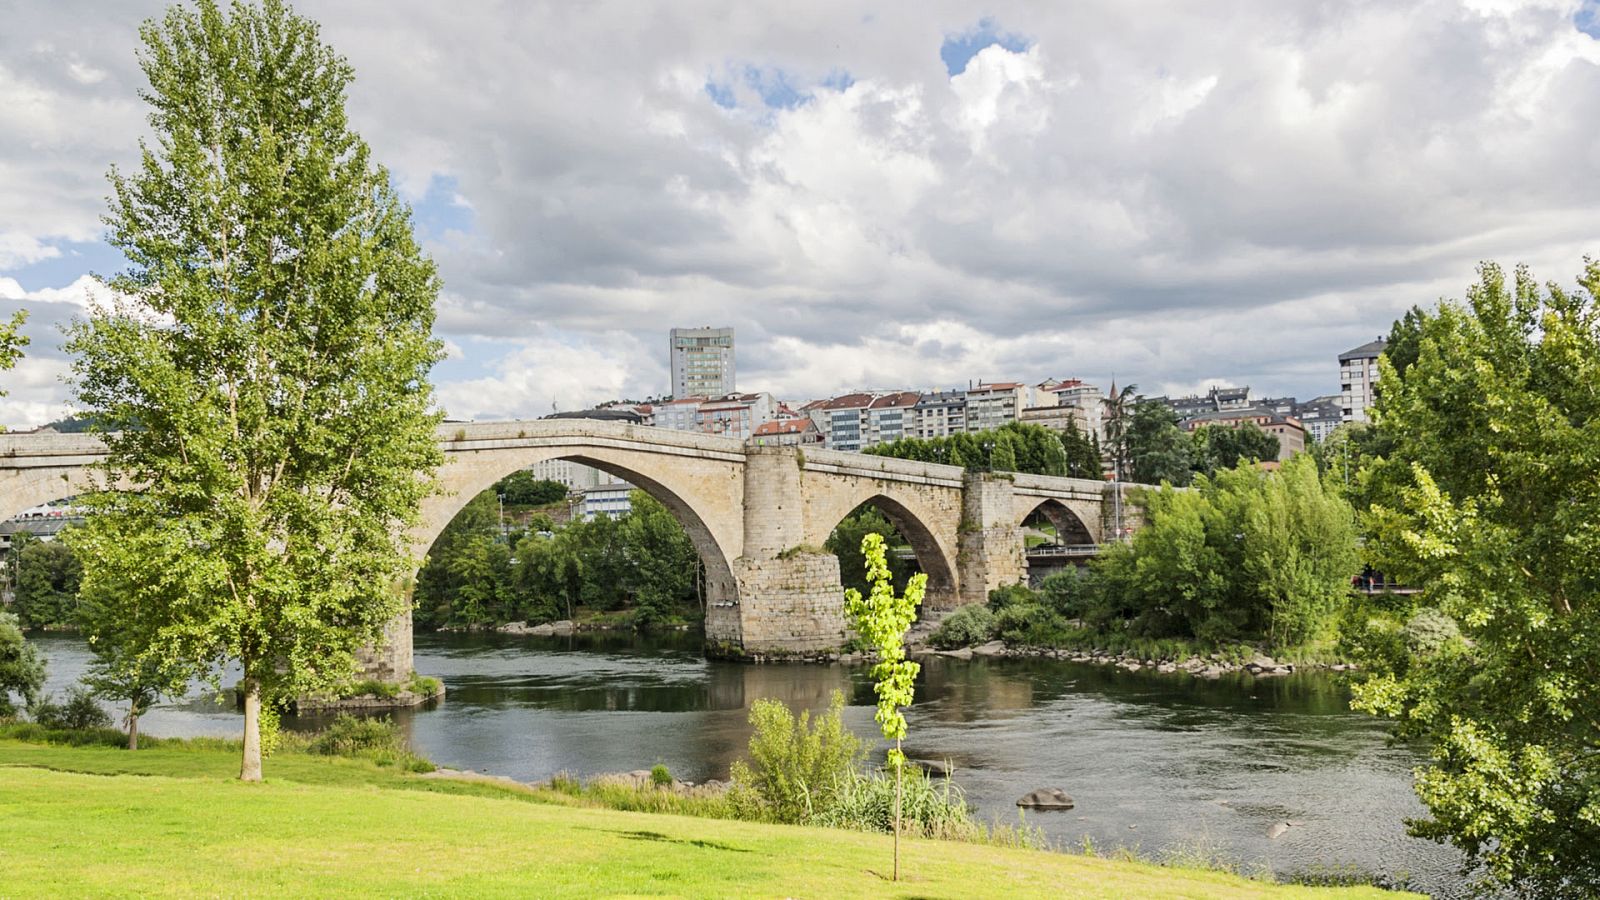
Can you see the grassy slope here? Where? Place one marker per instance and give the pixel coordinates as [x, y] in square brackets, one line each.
[345, 827]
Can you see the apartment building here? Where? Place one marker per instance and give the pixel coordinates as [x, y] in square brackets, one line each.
[1358, 372]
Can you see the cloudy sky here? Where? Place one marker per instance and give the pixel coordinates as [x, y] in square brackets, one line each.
[878, 195]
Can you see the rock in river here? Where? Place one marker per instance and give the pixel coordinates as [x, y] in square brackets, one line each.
[1046, 798]
[1278, 828]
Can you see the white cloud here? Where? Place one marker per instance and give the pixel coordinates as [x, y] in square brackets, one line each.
[549, 374]
[1234, 192]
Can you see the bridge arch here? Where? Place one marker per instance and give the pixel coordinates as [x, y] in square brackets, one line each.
[1070, 527]
[705, 501]
[923, 528]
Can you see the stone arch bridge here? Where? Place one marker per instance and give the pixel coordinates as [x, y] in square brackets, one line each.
[757, 515]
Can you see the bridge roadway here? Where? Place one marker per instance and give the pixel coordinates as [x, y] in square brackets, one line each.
[758, 516]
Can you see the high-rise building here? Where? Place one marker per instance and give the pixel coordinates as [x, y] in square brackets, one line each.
[1358, 372]
[702, 362]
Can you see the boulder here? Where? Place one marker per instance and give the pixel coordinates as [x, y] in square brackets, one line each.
[1046, 798]
[1277, 830]
[562, 628]
[932, 767]
[993, 648]
[514, 628]
[542, 630]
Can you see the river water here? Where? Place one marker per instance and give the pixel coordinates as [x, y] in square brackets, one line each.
[1155, 762]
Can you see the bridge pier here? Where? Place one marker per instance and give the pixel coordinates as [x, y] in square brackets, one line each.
[788, 599]
[991, 548]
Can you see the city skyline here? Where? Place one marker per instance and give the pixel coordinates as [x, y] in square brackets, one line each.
[1228, 195]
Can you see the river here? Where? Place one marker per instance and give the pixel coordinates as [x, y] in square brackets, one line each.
[1155, 762]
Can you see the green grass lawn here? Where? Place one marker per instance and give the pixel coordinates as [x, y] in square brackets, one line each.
[95, 821]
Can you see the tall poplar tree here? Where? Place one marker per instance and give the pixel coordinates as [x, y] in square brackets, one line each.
[261, 378]
[1487, 499]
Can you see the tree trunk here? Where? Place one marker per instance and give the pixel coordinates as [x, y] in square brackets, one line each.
[899, 771]
[250, 768]
[133, 729]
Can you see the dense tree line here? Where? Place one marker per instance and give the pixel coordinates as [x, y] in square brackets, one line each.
[44, 577]
[521, 488]
[1248, 556]
[1013, 447]
[476, 576]
[1156, 450]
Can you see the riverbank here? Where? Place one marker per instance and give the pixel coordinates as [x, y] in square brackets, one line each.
[170, 821]
[1199, 665]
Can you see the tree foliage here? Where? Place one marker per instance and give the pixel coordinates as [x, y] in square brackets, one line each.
[1119, 407]
[881, 619]
[21, 669]
[46, 590]
[1157, 450]
[845, 543]
[1248, 555]
[11, 342]
[1013, 447]
[1486, 498]
[474, 577]
[522, 488]
[1081, 452]
[261, 377]
[1216, 447]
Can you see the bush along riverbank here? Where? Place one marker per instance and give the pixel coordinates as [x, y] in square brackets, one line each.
[1250, 570]
[1019, 621]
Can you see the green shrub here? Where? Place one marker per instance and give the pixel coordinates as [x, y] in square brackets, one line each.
[81, 712]
[372, 688]
[1022, 620]
[1073, 593]
[351, 735]
[965, 627]
[865, 802]
[795, 767]
[35, 733]
[1429, 630]
[1010, 595]
[660, 776]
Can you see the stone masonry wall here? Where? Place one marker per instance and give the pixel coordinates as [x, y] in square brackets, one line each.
[391, 660]
[791, 605]
[991, 551]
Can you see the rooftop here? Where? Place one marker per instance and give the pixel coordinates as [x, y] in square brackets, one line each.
[784, 426]
[1365, 351]
[845, 401]
[1235, 415]
[897, 399]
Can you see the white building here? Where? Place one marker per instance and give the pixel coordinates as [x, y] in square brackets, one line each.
[702, 362]
[607, 500]
[891, 417]
[1358, 372]
[678, 415]
[842, 420]
[992, 405]
[736, 415]
[1086, 398]
[941, 414]
[576, 476]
